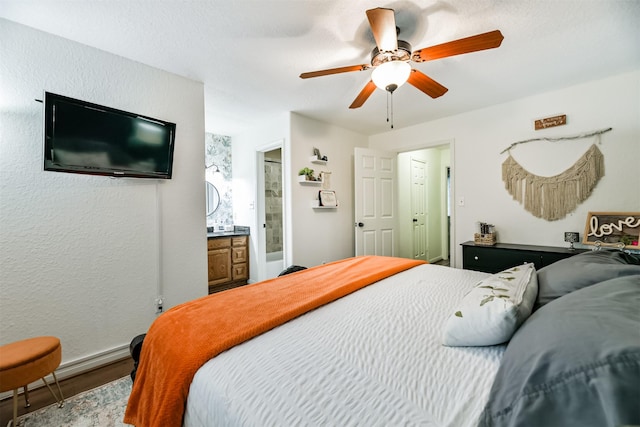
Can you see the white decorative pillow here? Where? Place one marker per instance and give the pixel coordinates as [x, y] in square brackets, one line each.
[494, 309]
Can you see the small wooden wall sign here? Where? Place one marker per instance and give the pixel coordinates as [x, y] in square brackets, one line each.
[618, 229]
[549, 122]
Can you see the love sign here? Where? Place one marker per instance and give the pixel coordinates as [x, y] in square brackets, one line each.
[613, 229]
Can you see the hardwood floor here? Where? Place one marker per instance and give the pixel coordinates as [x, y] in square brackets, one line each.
[41, 397]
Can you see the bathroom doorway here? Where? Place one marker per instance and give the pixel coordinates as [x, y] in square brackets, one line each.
[273, 224]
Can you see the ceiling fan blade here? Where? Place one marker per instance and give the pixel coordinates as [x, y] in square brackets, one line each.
[483, 41]
[383, 26]
[426, 84]
[363, 95]
[335, 71]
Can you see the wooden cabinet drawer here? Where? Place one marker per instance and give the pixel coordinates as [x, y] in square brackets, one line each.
[240, 271]
[239, 241]
[238, 254]
[219, 242]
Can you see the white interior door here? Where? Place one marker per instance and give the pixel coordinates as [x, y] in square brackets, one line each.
[375, 202]
[419, 209]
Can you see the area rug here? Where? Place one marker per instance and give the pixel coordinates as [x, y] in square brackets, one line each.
[100, 407]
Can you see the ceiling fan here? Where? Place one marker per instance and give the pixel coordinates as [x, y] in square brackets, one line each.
[390, 58]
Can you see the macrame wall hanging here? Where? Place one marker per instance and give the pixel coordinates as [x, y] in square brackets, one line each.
[553, 197]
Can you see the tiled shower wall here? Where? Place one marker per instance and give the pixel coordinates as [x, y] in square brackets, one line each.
[273, 204]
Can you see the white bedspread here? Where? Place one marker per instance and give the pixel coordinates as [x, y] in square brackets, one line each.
[372, 358]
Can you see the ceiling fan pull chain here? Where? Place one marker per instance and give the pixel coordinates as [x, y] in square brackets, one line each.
[391, 96]
[390, 107]
[387, 107]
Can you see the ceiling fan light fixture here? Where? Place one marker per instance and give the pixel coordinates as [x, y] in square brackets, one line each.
[391, 75]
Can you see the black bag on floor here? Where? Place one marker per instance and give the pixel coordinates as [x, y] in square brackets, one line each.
[135, 348]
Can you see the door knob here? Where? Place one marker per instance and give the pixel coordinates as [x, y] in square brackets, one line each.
[415, 220]
[360, 224]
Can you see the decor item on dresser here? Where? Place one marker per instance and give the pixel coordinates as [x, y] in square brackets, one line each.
[485, 234]
[553, 197]
[617, 229]
[571, 237]
[361, 339]
[488, 239]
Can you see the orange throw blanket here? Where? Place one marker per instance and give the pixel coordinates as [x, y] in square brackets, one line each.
[181, 340]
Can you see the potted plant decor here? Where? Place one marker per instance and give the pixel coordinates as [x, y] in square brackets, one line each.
[308, 174]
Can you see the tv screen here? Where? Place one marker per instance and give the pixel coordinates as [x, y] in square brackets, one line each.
[81, 137]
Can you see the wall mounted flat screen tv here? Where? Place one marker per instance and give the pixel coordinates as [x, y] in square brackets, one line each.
[81, 137]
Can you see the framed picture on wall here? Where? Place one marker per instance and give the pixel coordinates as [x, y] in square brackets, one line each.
[327, 198]
[613, 229]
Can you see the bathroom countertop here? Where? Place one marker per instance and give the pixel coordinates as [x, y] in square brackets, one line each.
[237, 231]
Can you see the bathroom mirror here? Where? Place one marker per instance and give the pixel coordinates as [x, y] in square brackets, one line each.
[213, 198]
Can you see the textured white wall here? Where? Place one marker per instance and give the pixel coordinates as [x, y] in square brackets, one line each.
[243, 156]
[322, 235]
[481, 135]
[312, 236]
[82, 256]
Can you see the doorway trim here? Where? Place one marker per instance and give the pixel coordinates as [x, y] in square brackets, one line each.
[435, 144]
[419, 200]
[261, 250]
[447, 208]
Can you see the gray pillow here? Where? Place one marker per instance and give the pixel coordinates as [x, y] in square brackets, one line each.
[579, 271]
[574, 362]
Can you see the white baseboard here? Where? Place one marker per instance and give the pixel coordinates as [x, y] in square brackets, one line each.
[79, 366]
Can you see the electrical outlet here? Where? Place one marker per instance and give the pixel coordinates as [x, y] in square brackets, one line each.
[159, 305]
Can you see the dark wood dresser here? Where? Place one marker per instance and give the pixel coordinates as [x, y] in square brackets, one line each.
[493, 259]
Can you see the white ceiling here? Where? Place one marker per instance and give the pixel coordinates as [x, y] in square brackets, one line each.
[249, 53]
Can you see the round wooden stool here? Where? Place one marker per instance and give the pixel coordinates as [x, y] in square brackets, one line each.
[23, 362]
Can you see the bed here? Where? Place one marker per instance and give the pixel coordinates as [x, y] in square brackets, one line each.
[427, 345]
